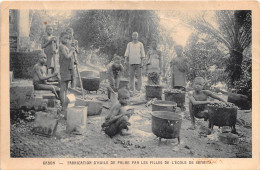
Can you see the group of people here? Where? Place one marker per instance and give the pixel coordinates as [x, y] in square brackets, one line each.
[135, 61]
[117, 120]
[45, 69]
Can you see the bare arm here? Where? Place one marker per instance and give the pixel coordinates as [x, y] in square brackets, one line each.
[121, 70]
[63, 51]
[127, 53]
[194, 102]
[41, 77]
[115, 113]
[110, 75]
[46, 43]
[142, 54]
[209, 93]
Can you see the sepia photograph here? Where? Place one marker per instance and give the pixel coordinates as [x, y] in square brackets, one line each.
[130, 83]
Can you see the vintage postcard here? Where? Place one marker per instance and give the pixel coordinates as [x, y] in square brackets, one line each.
[130, 85]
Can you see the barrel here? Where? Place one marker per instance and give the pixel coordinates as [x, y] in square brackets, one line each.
[179, 98]
[153, 91]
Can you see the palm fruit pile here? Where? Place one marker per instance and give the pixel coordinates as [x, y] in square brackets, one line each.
[223, 105]
[174, 91]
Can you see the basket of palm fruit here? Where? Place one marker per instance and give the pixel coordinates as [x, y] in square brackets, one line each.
[222, 114]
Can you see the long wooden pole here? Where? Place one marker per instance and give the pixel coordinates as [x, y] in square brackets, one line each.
[80, 81]
[54, 48]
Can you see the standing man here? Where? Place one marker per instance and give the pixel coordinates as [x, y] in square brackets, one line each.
[134, 55]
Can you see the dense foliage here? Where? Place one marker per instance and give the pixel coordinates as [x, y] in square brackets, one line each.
[109, 31]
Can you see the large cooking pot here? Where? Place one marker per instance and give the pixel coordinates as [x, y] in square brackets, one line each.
[179, 98]
[90, 83]
[87, 74]
[160, 105]
[166, 125]
[222, 117]
[153, 91]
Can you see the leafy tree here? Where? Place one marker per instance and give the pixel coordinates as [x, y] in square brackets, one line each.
[110, 30]
[234, 32]
[203, 53]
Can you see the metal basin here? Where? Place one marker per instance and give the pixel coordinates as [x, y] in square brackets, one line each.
[91, 84]
[160, 105]
[166, 124]
[179, 98]
[222, 117]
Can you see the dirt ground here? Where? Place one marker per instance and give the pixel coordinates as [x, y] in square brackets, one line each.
[141, 143]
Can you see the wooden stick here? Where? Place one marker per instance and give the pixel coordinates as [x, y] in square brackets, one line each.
[54, 55]
[80, 81]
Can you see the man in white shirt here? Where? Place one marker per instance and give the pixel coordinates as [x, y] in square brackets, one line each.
[134, 54]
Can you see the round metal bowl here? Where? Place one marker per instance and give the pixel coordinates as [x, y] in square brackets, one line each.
[160, 105]
[166, 124]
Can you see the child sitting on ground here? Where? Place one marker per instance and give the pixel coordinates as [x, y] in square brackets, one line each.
[198, 101]
[117, 120]
[40, 76]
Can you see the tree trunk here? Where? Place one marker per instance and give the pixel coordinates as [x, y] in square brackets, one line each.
[234, 65]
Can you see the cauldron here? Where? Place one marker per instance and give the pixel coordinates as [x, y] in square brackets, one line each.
[179, 98]
[91, 84]
[160, 105]
[166, 125]
[153, 91]
[222, 117]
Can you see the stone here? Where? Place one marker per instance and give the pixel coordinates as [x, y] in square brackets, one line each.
[76, 119]
[228, 138]
[46, 94]
[37, 103]
[94, 107]
[45, 124]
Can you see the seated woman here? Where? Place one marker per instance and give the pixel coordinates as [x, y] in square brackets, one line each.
[40, 76]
